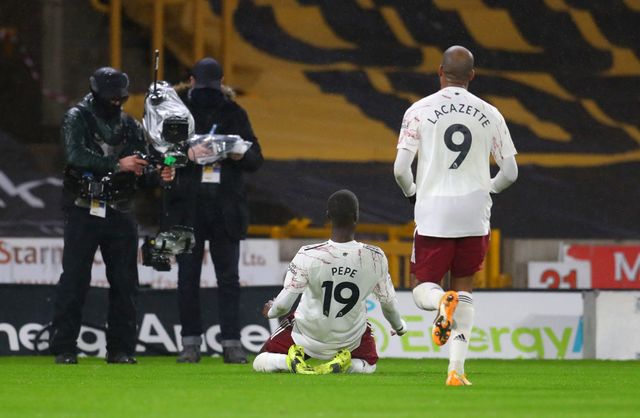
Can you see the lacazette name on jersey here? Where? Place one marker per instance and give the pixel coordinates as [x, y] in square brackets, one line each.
[445, 109]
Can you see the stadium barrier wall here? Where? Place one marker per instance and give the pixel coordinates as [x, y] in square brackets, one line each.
[263, 261]
[612, 325]
[603, 264]
[39, 261]
[509, 324]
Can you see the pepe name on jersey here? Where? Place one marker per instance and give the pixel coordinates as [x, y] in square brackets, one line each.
[460, 108]
[343, 271]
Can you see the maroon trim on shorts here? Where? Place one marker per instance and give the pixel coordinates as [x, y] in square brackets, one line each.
[434, 257]
[281, 340]
[367, 349]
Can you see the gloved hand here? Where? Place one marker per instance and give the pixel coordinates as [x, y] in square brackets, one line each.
[400, 332]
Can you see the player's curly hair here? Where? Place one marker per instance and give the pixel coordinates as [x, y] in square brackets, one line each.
[343, 208]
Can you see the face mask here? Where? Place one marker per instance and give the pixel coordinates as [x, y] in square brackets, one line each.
[205, 97]
[107, 108]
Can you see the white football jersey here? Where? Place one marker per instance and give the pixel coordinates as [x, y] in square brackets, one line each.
[454, 132]
[335, 280]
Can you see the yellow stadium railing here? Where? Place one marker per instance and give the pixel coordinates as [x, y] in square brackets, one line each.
[395, 241]
[114, 8]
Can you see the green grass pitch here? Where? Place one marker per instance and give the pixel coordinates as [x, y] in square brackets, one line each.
[158, 387]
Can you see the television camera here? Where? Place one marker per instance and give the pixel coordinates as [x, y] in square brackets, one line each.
[169, 125]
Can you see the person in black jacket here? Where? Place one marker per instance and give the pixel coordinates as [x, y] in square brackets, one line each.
[101, 175]
[221, 212]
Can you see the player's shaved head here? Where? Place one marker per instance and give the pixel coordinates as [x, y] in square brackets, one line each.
[342, 209]
[457, 65]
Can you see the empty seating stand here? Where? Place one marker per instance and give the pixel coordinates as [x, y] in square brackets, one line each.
[326, 83]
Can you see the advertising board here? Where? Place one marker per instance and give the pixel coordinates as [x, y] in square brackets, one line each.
[622, 341]
[559, 275]
[39, 261]
[612, 266]
[508, 325]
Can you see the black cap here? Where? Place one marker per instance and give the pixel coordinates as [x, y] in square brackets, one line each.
[109, 83]
[207, 73]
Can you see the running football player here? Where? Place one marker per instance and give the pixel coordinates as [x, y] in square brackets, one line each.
[454, 133]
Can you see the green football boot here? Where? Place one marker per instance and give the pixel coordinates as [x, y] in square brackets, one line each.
[339, 364]
[296, 363]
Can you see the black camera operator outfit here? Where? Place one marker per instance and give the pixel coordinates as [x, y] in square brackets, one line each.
[97, 199]
[221, 216]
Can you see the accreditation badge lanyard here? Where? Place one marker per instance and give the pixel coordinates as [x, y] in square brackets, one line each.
[211, 173]
[98, 208]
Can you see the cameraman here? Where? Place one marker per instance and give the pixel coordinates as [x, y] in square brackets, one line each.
[100, 179]
[220, 211]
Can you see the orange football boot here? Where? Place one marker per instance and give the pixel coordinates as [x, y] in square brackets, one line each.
[455, 379]
[444, 318]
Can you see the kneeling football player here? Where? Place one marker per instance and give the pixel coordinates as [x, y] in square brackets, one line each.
[335, 278]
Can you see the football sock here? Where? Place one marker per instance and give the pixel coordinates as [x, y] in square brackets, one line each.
[461, 332]
[361, 366]
[427, 296]
[270, 362]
